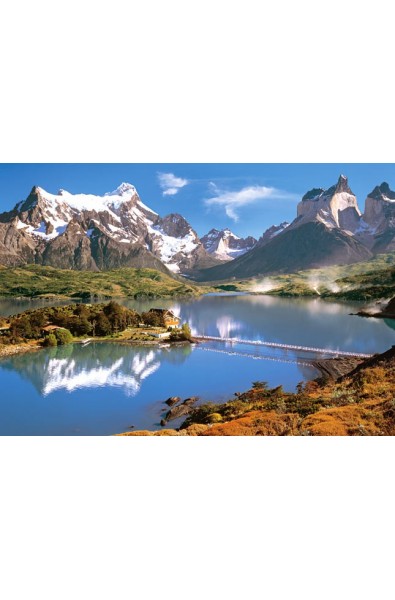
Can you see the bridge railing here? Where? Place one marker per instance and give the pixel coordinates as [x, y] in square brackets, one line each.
[329, 351]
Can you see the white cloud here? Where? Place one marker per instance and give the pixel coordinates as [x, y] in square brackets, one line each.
[171, 184]
[232, 201]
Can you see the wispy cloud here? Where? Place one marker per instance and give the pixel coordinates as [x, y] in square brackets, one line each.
[171, 184]
[234, 200]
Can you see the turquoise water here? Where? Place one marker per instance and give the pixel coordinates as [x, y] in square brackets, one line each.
[104, 388]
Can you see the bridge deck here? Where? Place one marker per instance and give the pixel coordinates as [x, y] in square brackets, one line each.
[291, 361]
[282, 346]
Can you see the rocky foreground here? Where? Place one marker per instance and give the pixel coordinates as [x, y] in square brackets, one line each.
[360, 402]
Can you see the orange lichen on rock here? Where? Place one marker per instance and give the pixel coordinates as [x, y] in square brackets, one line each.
[345, 420]
[257, 423]
[195, 429]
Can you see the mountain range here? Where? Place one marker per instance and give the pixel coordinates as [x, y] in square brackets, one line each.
[82, 231]
[90, 232]
[329, 229]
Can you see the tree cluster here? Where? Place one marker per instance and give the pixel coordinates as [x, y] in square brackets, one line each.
[78, 319]
[154, 319]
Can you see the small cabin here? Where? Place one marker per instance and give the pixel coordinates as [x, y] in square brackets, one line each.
[167, 317]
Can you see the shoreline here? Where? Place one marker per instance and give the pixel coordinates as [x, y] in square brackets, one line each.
[352, 400]
[377, 315]
[15, 349]
[23, 348]
[104, 298]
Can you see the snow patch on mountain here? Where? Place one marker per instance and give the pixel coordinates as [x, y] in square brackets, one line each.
[21, 225]
[111, 201]
[169, 248]
[280, 229]
[124, 188]
[226, 245]
[271, 233]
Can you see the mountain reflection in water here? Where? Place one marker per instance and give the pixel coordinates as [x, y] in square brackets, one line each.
[75, 367]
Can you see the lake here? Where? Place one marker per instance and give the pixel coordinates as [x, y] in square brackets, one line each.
[104, 388]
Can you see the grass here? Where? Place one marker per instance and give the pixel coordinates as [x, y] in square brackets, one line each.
[372, 279]
[367, 280]
[35, 281]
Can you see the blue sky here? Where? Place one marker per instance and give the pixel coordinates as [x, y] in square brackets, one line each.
[247, 198]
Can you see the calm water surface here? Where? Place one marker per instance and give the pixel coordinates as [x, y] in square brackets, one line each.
[103, 388]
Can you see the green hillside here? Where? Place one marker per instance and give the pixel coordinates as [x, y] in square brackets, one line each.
[366, 280]
[35, 281]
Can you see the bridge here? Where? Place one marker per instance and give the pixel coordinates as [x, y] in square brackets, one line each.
[313, 350]
[290, 361]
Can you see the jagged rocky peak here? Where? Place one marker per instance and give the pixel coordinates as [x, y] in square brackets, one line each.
[342, 186]
[227, 232]
[379, 217]
[335, 207]
[226, 245]
[123, 189]
[382, 192]
[272, 232]
[319, 193]
[175, 225]
[313, 194]
[33, 199]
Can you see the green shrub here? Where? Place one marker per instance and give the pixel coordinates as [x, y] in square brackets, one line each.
[50, 340]
[259, 385]
[215, 418]
[186, 331]
[63, 336]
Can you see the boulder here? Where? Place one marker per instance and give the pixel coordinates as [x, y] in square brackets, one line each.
[190, 401]
[180, 410]
[172, 400]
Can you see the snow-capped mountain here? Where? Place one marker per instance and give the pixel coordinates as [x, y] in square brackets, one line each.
[328, 229]
[378, 224]
[334, 207]
[86, 231]
[92, 232]
[177, 245]
[225, 245]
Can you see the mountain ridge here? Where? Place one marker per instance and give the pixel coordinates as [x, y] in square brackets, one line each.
[86, 231]
[329, 229]
[116, 230]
